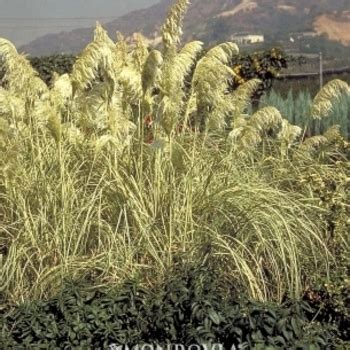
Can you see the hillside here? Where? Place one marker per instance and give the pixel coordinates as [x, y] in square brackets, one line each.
[22, 21]
[218, 20]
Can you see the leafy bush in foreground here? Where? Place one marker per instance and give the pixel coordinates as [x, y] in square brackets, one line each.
[188, 308]
[138, 155]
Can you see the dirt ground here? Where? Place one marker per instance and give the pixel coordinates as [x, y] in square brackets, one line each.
[336, 29]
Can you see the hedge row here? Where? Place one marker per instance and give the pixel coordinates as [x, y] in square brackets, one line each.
[56, 63]
[262, 65]
[191, 307]
[47, 65]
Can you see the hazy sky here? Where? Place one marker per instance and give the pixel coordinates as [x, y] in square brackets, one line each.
[23, 20]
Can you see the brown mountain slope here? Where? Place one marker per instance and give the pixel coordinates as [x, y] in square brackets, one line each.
[336, 28]
[216, 20]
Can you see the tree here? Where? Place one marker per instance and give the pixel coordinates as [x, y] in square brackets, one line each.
[265, 66]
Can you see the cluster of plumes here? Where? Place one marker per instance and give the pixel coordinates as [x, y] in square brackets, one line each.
[327, 97]
[114, 86]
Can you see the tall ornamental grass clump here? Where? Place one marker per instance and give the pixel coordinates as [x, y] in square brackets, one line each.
[140, 155]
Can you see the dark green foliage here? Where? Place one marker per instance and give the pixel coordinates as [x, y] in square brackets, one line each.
[332, 299]
[190, 307]
[46, 65]
[78, 319]
[333, 303]
[264, 66]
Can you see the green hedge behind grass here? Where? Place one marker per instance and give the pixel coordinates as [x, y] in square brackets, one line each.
[191, 307]
[295, 107]
[47, 65]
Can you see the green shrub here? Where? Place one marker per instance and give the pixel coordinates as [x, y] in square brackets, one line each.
[138, 155]
[47, 65]
[191, 307]
[332, 298]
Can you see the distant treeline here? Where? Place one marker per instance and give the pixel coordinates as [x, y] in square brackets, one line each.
[47, 65]
[62, 63]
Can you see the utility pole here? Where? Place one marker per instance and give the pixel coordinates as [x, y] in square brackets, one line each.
[321, 71]
[318, 124]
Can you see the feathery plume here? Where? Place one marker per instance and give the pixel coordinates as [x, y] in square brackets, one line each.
[172, 28]
[289, 133]
[151, 70]
[210, 84]
[266, 118]
[326, 98]
[173, 97]
[11, 107]
[96, 59]
[313, 142]
[249, 132]
[62, 90]
[140, 53]
[20, 77]
[243, 94]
